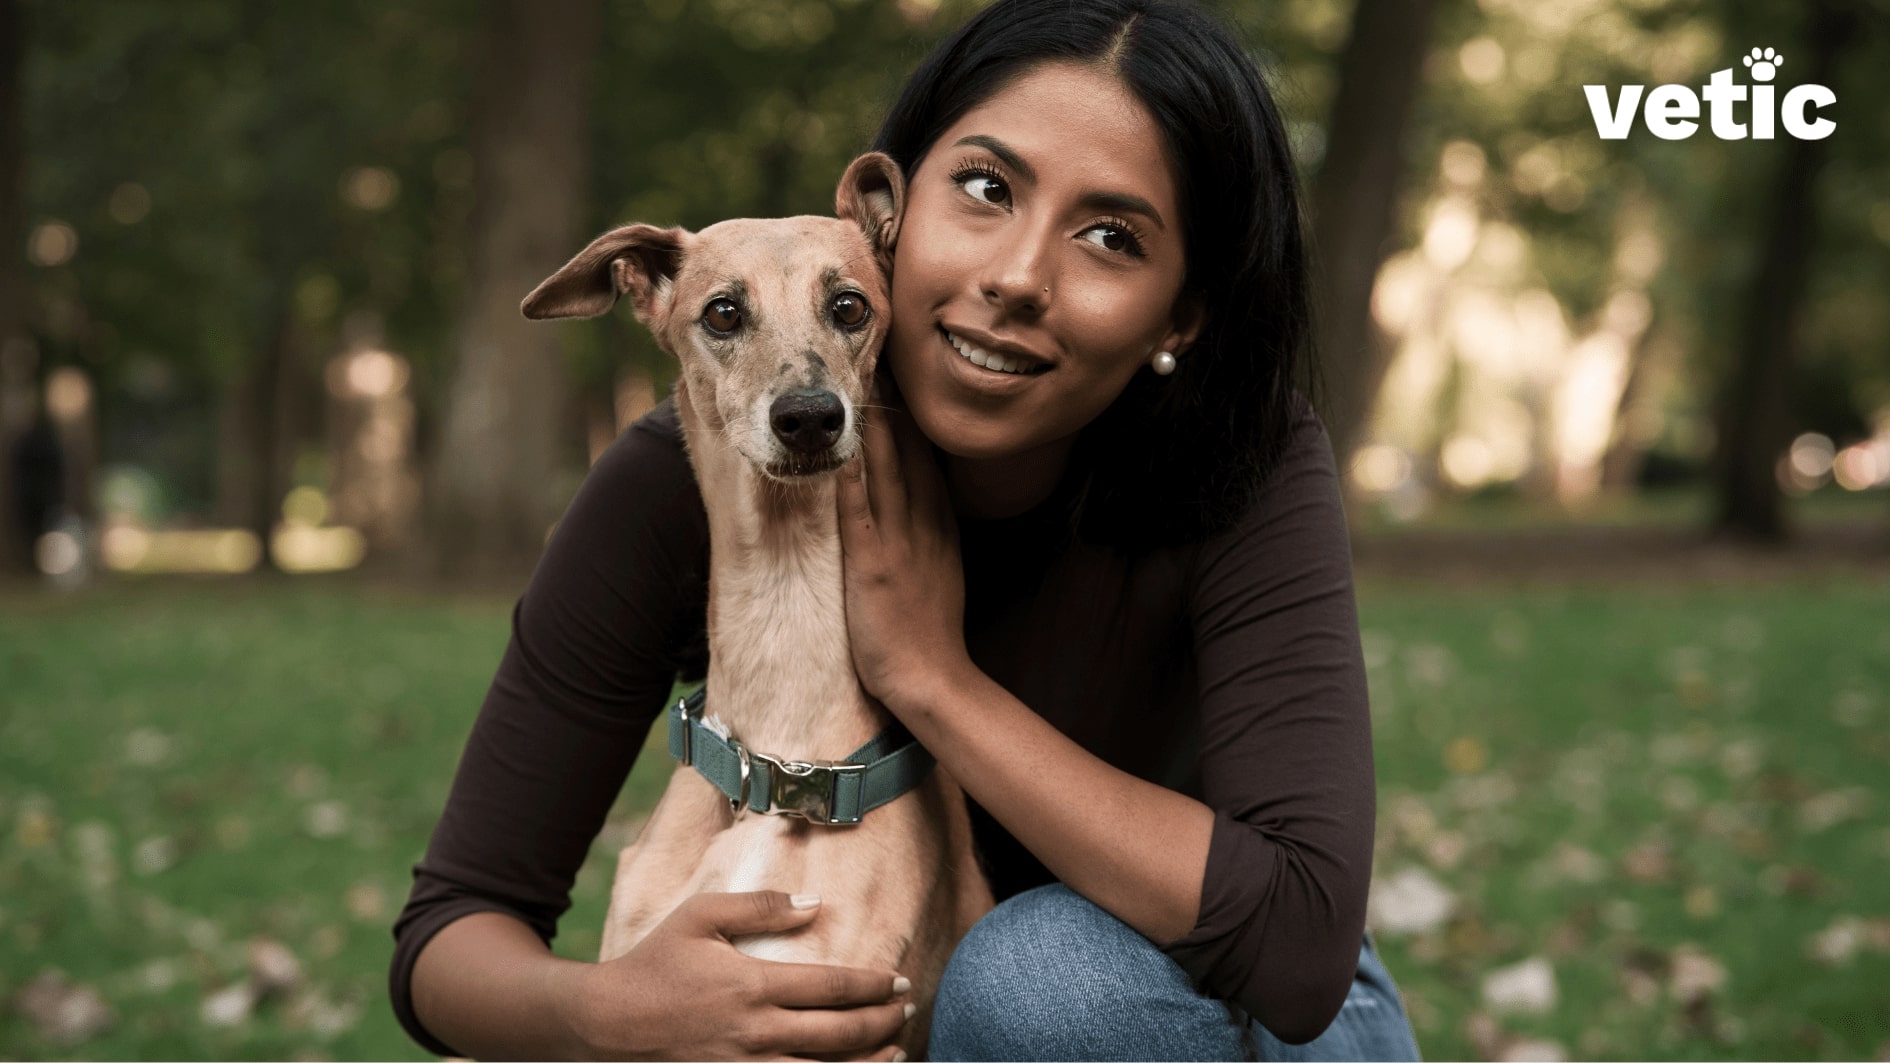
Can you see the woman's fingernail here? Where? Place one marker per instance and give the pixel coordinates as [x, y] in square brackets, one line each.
[902, 984]
[804, 900]
[911, 1009]
[899, 1055]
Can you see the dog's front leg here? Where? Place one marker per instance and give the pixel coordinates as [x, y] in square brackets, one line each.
[623, 889]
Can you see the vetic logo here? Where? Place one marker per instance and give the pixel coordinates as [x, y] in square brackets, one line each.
[1670, 109]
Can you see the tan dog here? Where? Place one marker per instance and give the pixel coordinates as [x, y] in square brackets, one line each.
[778, 325]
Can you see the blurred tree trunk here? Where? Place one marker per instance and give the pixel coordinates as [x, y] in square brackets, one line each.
[1754, 415]
[1355, 197]
[16, 349]
[257, 428]
[1621, 463]
[504, 434]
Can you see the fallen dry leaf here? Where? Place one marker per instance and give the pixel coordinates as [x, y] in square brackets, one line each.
[154, 855]
[366, 902]
[1702, 902]
[1531, 1050]
[233, 832]
[35, 828]
[1642, 988]
[1576, 864]
[1821, 812]
[1793, 881]
[1695, 975]
[1643, 973]
[229, 1006]
[1446, 850]
[146, 747]
[326, 941]
[1680, 794]
[1741, 760]
[1526, 988]
[63, 1012]
[272, 967]
[1500, 1046]
[326, 819]
[1466, 755]
[1429, 664]
[325, 1018]
[1409, 902]
[1648, 862]
[1482, 1030]
[1838, 943]
[1412, 819]
[158, 975]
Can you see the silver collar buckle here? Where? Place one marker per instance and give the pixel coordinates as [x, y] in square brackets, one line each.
[795, 787]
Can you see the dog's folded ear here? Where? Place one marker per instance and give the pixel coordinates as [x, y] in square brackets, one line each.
[636, 260]
[873, 193]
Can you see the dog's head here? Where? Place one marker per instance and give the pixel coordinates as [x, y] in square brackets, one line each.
[778, 323]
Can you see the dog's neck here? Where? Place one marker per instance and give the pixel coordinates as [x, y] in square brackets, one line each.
[780, 668]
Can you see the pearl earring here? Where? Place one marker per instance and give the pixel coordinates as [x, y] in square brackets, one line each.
[1163, 363]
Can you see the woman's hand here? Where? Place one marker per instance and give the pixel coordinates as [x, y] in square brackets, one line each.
[685, 992]
[905, 584]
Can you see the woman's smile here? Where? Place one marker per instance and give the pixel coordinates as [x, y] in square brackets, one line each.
[992, 355]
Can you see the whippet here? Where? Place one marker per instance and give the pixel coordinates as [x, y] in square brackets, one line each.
[778, 325]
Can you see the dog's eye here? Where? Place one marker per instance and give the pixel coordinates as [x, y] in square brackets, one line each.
[849, 309]
[722, 317]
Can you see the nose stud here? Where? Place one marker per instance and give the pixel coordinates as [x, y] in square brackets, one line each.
[1163, 363]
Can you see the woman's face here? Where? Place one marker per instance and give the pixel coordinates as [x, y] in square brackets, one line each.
[1041, 229]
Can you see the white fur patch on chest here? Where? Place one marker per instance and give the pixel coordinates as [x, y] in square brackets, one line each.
[756, 865]
[768, 947]
[750, 870]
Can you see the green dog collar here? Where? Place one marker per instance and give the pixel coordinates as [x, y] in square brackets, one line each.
[829, 793]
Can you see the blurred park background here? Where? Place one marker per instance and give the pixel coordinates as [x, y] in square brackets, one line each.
[280, 453]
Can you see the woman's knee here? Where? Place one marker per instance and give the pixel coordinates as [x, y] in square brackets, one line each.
[1045, 938]
[1048, 974]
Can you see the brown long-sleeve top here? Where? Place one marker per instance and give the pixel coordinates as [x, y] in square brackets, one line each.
[1227, 669]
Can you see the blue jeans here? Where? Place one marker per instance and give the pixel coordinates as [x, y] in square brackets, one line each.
[1048, 975]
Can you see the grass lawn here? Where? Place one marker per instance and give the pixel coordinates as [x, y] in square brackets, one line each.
[1671, 801]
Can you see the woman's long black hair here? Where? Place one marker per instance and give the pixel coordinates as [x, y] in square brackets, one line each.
[1177, 457]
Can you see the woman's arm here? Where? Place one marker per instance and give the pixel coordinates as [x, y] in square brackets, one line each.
[1136, 849]
[490, 987]
[1286, 762]
[1259, 892]
[590, 661]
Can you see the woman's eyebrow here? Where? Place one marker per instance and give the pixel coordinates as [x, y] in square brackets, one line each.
[1117, 202]
[1123, 203]
[1004, 153]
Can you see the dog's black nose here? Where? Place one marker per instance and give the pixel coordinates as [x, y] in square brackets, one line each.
[807, 422]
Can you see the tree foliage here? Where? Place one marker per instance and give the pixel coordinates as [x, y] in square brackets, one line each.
[231, 165]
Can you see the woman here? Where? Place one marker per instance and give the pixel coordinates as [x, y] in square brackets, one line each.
[1116, 605]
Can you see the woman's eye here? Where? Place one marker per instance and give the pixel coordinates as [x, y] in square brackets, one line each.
[985, 188]
[722, 316]
[849, 309]
[1109, 238]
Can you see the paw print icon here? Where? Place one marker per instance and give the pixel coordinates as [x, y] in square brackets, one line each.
[1764, 63]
